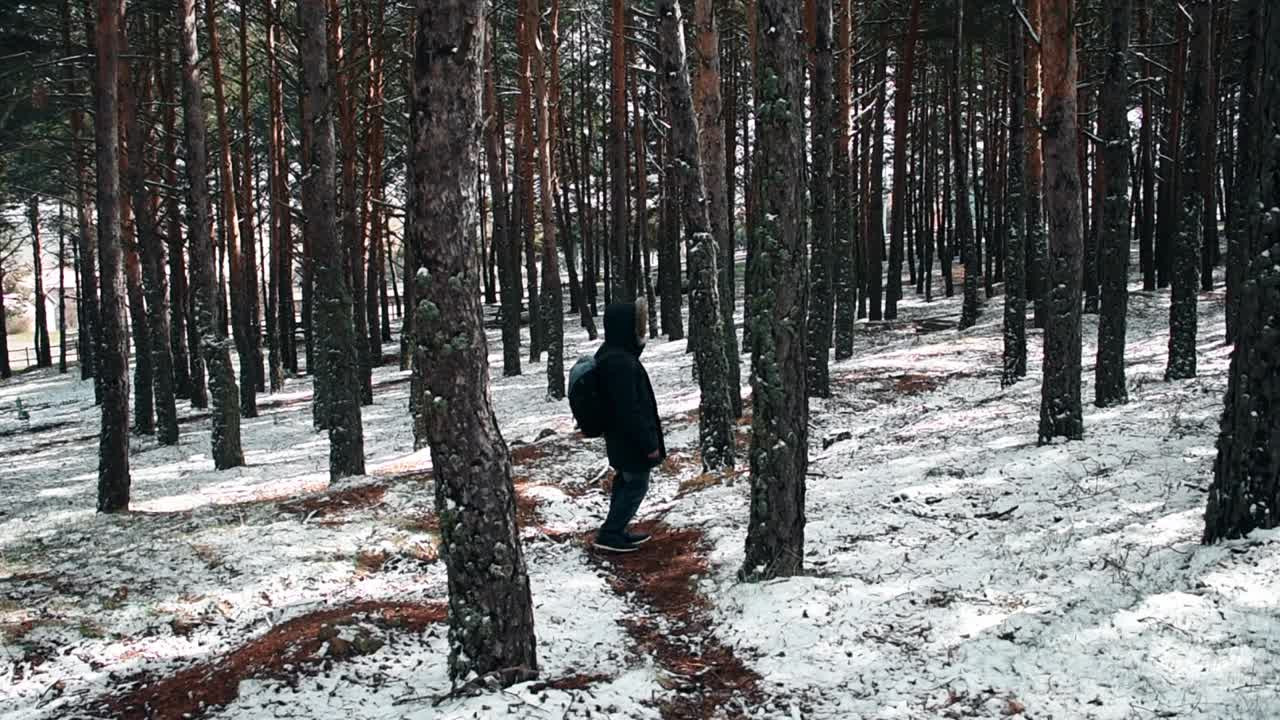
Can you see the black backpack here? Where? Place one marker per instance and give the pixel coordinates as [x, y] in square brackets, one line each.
[586, 398]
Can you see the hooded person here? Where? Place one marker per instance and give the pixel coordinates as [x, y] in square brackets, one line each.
[633, 435]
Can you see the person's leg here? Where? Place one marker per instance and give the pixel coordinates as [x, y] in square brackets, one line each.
[618, 516]
[636, 487]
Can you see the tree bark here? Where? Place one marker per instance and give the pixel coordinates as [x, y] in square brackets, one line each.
[1061, 414]
[1245, 494]
[873, 219]
[624, 285]
[897, 211]
[1169, 221]
[1183, 315]
[1037, 238]
[709, 104]
[552, 306]
[526, 168]
[504, 236]
[1146, 243]
[1249, 150]
[780, 442]
[44, 352]
[62, 290]
[1015, 285]
[969, 254]
[1109, 384]
[249, 249]
[715, 421]
[336, 340]
[155, 288]
[490, 611]
[113, 349]
[231, 227]
[822, 253]
[87, 277]
[846, 274]
[227, 452]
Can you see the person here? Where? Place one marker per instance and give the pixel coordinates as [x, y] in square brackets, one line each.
[633, 435]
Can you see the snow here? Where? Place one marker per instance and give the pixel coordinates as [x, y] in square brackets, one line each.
[956, 569]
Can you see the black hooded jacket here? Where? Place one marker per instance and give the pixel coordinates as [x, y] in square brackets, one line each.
[634, 431]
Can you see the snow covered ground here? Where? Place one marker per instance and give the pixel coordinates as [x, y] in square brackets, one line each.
[956, 569]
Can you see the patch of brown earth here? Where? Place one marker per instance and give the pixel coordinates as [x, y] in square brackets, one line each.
[352, 498]
[706, 676]
[192, 692]
[571, 682]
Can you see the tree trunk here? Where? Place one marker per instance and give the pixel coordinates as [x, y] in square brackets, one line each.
[1245, 196]
[249, 250]
[874, 217]
[1171, 163]
[1245, 494]
[964, 220]
[491, 614]
[822, 253]
[715, 422]
[1183, 315]
[1146, 243]
[901, 108]
[113, 348]
[1109, 384]
[526, 169]
[624, 286]
[1015, 285]
[231, 227]
[44, 355]
[373, 191]
[1037, 239]
[62, 290]
[155, 290]
[87, 277]
[336, 340]
[225, 435]
[709, 104]
[669, 275]
[1061, 414]
[552, 306]
[846, 275]
[6, 371]
[170, 250]
[780, 438]
[1210, 251]
[504, 236]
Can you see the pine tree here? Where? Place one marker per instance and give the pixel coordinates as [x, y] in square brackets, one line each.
[1183, 316]
[969, 253]
[822, 253]
[780, 436]
[225, 415]
[1109, 386]
[715, 422]
[504, 233]
[113, 350]
[490, 611]
[624, 287]
[1015, 286]
[336, 340]
[1245, 494]
[1060, 412]
[898, 211]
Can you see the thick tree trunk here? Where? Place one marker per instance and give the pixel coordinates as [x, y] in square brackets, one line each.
[490, 612]
[780, 438]
[336, 340]
[1015, 285]
[964, 220]
[846, 274]
[709, 104]
[227, 451]
[1244, 194]
[231, 227]
[1183, 315]
[715, 422]
[1109, 385]
[151, 246]
[1167, 228]
[901, 109]
[1245, 494]
[1061, 414]
[822, 253]
[113, 349]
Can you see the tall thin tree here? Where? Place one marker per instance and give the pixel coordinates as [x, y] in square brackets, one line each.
[822, 251]
[1015, 286]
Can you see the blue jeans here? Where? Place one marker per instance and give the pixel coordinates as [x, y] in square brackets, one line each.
[629, 489]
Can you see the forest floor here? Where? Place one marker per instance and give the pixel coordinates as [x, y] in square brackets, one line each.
[955, 568]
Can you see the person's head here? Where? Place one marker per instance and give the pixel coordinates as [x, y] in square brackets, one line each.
[626, 325]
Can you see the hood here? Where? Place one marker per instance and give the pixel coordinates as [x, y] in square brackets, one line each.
[620, 327]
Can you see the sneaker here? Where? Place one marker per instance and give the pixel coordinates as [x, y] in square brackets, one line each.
[614, 544]
[637, 538]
